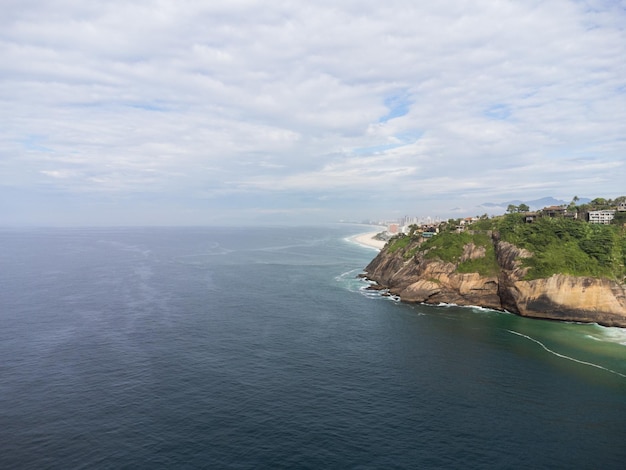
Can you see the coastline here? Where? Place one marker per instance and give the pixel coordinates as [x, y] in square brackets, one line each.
[366, 239]
[561, 297]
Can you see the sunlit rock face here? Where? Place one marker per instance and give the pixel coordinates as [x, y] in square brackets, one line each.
[559, 297]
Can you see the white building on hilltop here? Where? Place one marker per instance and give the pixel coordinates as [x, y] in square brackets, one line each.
[601, 217]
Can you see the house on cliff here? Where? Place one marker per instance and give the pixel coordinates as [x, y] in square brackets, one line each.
[530, 217]
[601, 217]
[558, 211]
[553, 211]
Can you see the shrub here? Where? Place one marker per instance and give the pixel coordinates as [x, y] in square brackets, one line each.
[566, 246]
[449, 247]
[398, 242]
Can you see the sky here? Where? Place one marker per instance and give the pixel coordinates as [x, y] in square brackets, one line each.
[197, 112]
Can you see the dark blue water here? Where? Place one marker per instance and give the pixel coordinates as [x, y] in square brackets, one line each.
[257, 348]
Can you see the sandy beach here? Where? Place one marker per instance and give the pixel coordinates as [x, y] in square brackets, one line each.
[367, 240]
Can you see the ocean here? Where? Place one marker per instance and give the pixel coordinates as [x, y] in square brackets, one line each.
[259, 348]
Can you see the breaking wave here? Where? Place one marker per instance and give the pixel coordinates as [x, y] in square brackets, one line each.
[608, 334]
[563, 356]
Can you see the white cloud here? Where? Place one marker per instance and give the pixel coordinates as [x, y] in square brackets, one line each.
[245, 101]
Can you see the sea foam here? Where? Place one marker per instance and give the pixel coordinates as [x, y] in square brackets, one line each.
[563, 356]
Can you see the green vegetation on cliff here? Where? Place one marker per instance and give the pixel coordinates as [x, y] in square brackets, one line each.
[561, 245]
[485, 266]
[399, 242]
[449, 247]
[558, 245]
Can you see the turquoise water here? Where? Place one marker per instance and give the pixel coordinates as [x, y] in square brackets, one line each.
[259, 348]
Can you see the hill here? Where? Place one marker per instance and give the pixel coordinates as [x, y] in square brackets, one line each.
[553, 268]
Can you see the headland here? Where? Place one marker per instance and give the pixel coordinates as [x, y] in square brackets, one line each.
[552, 268]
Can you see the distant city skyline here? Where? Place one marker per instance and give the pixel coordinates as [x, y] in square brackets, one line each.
[247, 112]
[491, 209]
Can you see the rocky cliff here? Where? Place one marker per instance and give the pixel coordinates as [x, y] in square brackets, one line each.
[413, 277]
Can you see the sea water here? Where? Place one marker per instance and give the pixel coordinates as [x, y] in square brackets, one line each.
[260, 348]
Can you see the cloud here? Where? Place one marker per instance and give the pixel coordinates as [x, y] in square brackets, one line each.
[409, 107]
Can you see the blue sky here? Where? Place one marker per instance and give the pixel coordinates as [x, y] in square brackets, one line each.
[191, 112]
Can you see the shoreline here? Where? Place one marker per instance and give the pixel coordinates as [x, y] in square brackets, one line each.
[366, 239]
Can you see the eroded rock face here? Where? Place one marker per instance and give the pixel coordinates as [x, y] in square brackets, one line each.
[432, 281]
[559, 297]
[571, 298]
[439, 282]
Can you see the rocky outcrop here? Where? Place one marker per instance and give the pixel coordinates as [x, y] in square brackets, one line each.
[570, 298]
[560, 297]
[432, 281]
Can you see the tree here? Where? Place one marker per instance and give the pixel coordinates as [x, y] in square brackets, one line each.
[523, 208]
[599, 201]
[619, 218]
[511, 208]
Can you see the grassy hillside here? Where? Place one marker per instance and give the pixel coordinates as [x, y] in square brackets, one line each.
[566, 246]
[559, 245]
[448, 246]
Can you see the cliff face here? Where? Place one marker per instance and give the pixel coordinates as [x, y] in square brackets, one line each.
[560, 297]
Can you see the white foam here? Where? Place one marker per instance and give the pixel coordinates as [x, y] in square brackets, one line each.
[609, 334]
[473, 307]
[563, 356]
[366, 240]
[350, 274]
[484, 309]
[353, 283]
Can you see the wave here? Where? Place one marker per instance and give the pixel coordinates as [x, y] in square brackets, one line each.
[353, 283]
[484, 309]
[563, 356]
[610, 334]
[350, 274]
[472, 307]
[363, 245]
[354, 240]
